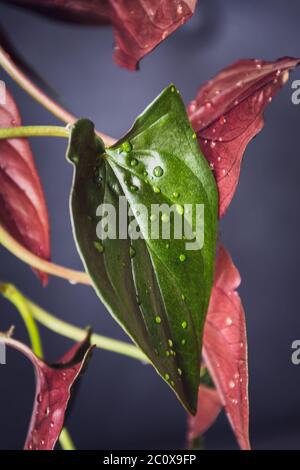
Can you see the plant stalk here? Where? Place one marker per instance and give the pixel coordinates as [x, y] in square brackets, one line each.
[78, 334]
[63, 328]
[38, 263]
[37, 94]
[65, 440]
[33, 131]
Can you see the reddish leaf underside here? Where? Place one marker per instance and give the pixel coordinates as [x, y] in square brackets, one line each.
[209, 408]
[139, 25]
[23, 209]
[225, 347]
[54, 384]
[228, 112]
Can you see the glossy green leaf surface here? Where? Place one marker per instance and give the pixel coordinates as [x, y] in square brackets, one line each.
[156, 288]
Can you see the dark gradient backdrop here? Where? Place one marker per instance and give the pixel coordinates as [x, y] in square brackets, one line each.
[122, 403]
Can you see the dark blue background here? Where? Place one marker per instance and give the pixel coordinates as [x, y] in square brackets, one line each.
[123, 404]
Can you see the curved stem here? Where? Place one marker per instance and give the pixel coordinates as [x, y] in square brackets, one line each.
[24, 82]
[78, 334]
[35, 262]
[13, 295]
[36, 93]
[65, 440]
[63, 328]
[33, 131]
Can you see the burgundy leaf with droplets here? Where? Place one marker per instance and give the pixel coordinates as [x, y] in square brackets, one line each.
[228, 112]
[23, 209]
[54, 384]
[139, 25]
[209, 408]
[225, 346]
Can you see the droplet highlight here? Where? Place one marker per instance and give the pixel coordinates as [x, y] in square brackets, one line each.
[126, 146]
[158, 171]
[98, 246]
[132, 252]
[184, 325]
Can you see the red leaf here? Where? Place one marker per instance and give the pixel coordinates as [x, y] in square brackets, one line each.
[23, 209]
[209, 408]
[228, 112]
[139, 25]
[53, 391]
[225, 346]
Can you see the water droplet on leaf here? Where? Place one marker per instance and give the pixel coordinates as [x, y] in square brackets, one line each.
[133, 162]
[184, 325]
[158, 171]
[98, 246]
[179, 209]
[75, 159]
[132, 252]
[126, 146]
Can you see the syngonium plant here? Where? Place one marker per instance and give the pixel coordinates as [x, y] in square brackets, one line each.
[180, 307]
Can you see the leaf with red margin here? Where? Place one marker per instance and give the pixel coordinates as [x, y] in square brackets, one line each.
[225, 346]
[23, 210]
[54, 384]
[209, 408]
[139, 25]
[228, 112]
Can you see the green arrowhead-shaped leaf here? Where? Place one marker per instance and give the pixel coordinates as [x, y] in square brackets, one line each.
[156, 289]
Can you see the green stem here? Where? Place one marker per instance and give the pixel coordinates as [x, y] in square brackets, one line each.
[33, 131]
[37, 94]
[68, 330]
[12, 294]
[77, 334]
[65, 440]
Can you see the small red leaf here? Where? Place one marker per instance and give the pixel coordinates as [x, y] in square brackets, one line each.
[209, 408]
[225, 346]
[54, 384]
[228, 112]
[139, 25]
[23, 209]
